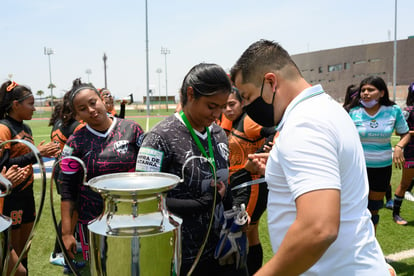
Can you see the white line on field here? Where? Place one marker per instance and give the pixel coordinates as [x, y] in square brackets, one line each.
[400, 255]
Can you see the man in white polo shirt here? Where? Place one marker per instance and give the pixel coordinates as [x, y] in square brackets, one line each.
[317, 208]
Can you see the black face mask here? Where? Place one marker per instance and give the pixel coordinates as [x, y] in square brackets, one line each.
[260, 111]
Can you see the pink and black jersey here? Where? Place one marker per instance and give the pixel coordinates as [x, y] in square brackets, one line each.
[408, 113]
[103, 153]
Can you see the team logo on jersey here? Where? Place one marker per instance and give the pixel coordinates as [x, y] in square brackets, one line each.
[373, 124]
[67, 151]
[121, 146]
[406, 114]
[140, 139]
[224, 150]
[69, 165]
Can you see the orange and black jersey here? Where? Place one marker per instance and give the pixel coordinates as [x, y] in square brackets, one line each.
[225, 124]
[16, 153]
[245, 137]
[121, 114]
[61, 133]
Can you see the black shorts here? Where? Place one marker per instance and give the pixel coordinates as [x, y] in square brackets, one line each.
[20, 207]
[379, 178]
[255, 199]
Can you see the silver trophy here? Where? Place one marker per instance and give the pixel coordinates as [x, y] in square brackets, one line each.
[135, 234]
[5, 223]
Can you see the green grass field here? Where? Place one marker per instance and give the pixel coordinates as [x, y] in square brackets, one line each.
[393, 238]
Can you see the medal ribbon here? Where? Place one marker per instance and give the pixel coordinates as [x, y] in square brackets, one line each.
[210, 157]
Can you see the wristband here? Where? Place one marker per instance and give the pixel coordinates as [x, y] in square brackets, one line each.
[399, 147]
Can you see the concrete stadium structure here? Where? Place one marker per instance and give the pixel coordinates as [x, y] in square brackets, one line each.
[337, 68]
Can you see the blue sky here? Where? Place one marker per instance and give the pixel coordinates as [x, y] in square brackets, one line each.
[216, 31]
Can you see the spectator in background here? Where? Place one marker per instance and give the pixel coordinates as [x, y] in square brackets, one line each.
[63, 124]
[351, 92]
[376, 118]
[55, 116]
[350, 95]
[408, 169]
[108, 100]
[246, 137]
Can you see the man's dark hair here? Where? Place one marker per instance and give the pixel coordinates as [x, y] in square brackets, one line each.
[261, 57]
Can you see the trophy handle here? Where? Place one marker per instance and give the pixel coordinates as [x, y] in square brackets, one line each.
[5, 244]
[4, 182]
[213, 209]
[55, 222]
[42, 197]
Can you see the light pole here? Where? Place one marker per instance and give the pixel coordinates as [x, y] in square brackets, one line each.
[48, 52]
[159, 71]
[394, 73]
[165, 52]
[147, 61]
[88, 72]
[104, 61]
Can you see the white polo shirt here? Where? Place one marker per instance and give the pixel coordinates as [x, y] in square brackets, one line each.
[319, 148]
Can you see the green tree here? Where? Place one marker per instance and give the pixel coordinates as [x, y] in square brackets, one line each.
[40, 94]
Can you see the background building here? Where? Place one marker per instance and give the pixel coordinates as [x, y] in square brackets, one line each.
[337, 68]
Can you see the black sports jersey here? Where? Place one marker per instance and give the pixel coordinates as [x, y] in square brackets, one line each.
[103, 153]
[60, 134]
[167, 148]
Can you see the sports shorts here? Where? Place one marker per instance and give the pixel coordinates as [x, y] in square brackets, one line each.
[20, 207]
[255, 199]
[379, 178]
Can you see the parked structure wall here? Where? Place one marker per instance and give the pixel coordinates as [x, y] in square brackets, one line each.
[337, 68]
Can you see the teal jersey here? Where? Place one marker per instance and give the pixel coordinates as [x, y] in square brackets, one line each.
[375, 132]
